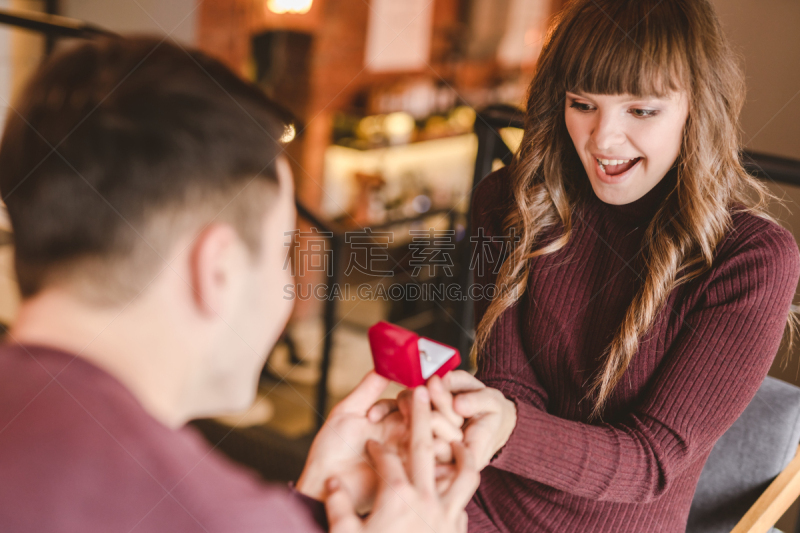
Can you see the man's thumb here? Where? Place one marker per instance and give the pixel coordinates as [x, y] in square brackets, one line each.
[364, 395]
[342, 517]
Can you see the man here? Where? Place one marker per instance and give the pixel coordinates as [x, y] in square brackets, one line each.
[150, 203]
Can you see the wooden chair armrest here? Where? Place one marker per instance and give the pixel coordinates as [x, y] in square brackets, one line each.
[780, 494]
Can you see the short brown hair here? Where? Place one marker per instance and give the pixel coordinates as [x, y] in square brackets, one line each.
[112, 132]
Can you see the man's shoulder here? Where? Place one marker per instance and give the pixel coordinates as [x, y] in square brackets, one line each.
[31, 377]
[76, 442]
[73, 434]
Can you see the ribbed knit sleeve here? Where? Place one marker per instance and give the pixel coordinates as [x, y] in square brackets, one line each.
[722, 354]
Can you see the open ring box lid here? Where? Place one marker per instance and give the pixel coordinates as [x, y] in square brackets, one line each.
[407, 358]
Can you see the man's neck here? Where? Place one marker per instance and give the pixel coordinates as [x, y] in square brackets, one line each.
[133, 348]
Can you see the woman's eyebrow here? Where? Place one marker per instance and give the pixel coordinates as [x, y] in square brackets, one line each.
[650, 99]
[570, 94]
[643, 100]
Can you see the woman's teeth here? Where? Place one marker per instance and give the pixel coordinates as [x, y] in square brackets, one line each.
[613, 161]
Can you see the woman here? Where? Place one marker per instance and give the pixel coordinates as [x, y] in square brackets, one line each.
[647, 295]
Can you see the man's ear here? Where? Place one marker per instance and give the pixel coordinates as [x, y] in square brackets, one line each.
[216, 260]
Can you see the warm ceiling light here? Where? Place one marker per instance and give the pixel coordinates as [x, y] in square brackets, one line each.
[289, 6]
[289, 133]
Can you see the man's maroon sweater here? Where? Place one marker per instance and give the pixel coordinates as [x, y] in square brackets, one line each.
[696, 370]
[79, 454]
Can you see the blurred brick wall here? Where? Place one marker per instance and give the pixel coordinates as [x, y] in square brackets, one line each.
[339, 28]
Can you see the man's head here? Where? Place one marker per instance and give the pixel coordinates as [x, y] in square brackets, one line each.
[137, 173]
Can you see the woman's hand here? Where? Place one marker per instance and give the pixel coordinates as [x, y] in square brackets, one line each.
[445, 423]
[407, 498]
[490, 416]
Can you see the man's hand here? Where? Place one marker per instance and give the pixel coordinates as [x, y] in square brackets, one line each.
[407, 499]
[339, 448]
[445, 423]
[490, 416]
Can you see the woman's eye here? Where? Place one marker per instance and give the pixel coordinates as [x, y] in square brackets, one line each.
[643, 113]
[580, 107]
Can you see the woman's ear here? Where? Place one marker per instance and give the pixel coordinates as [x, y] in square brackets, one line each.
[217, 258]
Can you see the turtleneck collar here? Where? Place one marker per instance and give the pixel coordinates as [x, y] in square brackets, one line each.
[642, 210]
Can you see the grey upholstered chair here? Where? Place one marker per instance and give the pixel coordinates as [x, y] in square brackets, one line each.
[738, 490]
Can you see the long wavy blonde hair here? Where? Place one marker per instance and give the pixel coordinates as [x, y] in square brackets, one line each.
[638, 47]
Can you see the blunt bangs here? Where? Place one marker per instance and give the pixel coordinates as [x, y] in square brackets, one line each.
[628, 47]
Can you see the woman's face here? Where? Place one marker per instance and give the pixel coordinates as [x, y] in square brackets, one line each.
[626, 144]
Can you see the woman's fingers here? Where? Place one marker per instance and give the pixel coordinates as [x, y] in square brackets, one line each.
[392, 432]
[465, 482]
[447, 471]
[442, 401]
[469, 404]
[444, 429]
[342, 517]
[381, 409]
[404, 400]
[444, 478]
[442, 451]
[461, 381]
[479, 442]
[388, 465]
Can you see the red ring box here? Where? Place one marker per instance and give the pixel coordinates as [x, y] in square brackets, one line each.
[407, 358]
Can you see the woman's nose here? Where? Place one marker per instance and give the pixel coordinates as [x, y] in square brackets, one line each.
[608, 132]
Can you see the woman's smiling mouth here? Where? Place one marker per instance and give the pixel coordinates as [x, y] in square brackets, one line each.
[615, 170]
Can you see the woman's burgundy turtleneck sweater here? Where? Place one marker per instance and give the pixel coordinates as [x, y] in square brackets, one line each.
[696, 370]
